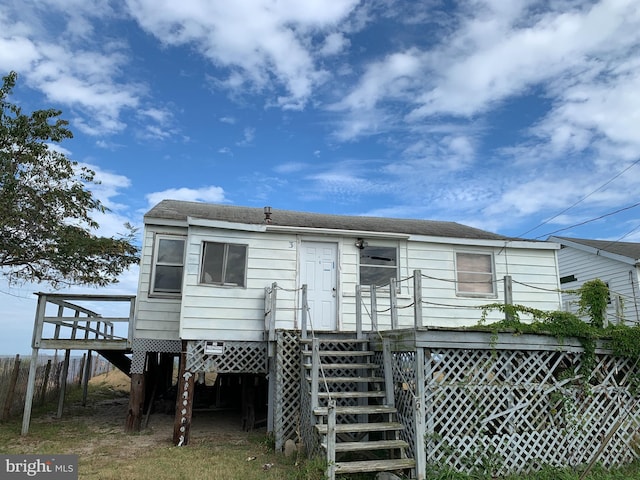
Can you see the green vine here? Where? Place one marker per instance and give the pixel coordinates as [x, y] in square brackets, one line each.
[622, 340]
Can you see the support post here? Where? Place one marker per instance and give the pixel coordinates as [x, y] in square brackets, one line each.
[419, 417]
[388, 373]
[8, 401]
[331, 440]
[63, 382]
[508, 296]
[184, 402]
[136, 403]
[393, 300]
[83, 360]
[86, 377]
[374, 309]
[315, 373]
[31, 386]
[358, 312]
[417, 298]
[303, 313]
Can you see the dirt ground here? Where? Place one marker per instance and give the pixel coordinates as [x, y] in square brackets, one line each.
[106, 420]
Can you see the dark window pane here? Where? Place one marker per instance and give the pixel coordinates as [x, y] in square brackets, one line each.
[236, 261]
[378, 276]
[212, 263]
[170, 251]
[378, 256]
[168, 279]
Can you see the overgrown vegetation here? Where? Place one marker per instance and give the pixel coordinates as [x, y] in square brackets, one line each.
[623, 340]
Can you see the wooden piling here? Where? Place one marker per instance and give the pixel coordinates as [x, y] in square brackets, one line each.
[184, 402]
[136, 404]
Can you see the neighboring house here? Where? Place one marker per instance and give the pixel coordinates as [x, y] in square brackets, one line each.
[615, 263]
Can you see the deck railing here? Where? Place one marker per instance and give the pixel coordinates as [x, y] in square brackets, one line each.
[77, 327]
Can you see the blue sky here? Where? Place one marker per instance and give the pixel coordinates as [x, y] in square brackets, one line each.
[500, 115]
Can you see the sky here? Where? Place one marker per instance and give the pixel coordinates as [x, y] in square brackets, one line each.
[519, 117]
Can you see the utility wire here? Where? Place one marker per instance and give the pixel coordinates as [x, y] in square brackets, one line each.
[589, 221]
[579, 201]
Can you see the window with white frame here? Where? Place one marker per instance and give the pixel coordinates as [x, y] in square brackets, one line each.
[378, 265]
[224, 264]
[168, 264]
[474, 274]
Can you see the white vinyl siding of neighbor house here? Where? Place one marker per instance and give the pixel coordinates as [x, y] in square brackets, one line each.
[587, 266]
[157, 317]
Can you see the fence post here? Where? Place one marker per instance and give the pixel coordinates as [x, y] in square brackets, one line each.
[45, 381]
[393, 301]
[63, 382]
[85, 378]
[387, 360]
[374, 309]
[420, 416]
[417, 298]
[8, 402]
[508, 297]
[303, 314]
[358, 311]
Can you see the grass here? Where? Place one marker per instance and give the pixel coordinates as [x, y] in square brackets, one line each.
[95, 433]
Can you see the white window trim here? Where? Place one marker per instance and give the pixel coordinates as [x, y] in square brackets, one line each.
[226, 285]
[154, 263]
[459, 293]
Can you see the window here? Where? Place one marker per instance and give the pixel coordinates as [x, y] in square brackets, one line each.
[378, 265]
[474, 273]
[168, 265]
[224, 264]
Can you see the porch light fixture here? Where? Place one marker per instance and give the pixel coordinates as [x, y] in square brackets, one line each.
[361, 243]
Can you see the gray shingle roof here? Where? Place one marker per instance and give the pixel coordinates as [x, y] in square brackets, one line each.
[626, 249]
[180, 210]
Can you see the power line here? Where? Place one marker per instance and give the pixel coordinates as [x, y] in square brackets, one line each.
[579, 201]
[589, 221]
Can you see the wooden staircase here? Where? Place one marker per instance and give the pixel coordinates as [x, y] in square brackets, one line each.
[353, 408]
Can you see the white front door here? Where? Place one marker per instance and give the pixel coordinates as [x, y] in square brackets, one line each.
[318, 271]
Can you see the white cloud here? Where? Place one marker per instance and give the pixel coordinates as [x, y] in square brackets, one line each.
[229, 120]
[274, 43]
[334, 44]
[248, 135]
[211, 194]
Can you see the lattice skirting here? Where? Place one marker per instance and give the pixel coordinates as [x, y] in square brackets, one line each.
[141, 346]
[238, 357]
[287, 391]
[500, 412]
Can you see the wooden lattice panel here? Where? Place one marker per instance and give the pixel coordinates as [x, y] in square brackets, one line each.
[238, 357]
[141, 346]
[516, 411]
[287, 394]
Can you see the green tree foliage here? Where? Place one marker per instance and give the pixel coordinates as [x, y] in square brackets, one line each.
[47, 233]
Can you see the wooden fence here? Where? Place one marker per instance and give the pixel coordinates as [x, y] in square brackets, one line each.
[14, 373]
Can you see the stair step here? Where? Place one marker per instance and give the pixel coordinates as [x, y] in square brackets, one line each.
[354, 341]
[340, 353]
[375, 465]
[356, 410]
[362, 427]
[351, 379]
[362, 446]
[370, 394]
[350, 366]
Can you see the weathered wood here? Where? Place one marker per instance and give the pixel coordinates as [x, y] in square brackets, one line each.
[359, 312]
[8, 401]
[375, 465]
[86, 377]
[393, 302]
[81, 371]
[63, 382]
[315, 372]
[419, 417]
[45, 383]
[357, 409]
[136, 403]
[303, 313]
[84, 344]
[362, 427]
[417, 298]
[368, 446]
[31, 385]
[374, 309]
[184, 402]
[388, 372]
[508, 296]
[331, 440]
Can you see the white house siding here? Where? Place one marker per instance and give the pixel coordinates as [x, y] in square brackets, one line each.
[234, 313]
[534, 273]
[156, 317]
[587, 266]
